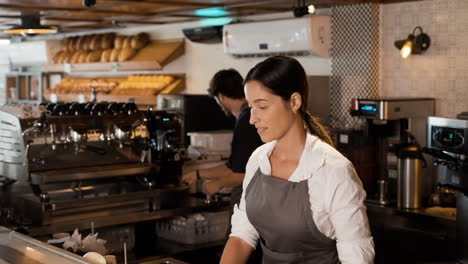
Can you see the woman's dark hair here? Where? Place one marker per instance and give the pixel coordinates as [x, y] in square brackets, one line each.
[284, 76]
[227, 82]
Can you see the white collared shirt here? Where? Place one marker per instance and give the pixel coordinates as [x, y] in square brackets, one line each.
[336, 197]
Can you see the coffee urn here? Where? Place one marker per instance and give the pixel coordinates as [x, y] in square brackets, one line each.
[410, 175]
[398, 124]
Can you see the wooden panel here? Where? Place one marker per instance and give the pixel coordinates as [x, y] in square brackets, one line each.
[127, 12]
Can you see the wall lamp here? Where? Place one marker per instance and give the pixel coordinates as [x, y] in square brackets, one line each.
[302, 9]
[414, 44]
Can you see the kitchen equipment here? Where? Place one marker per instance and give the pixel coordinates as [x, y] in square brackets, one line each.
[389, 120]
[383, 191]
[197, 113]
[61, 171]
[447, 141]
[410, 174]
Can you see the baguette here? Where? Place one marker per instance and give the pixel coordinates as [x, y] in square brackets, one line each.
[66, 58]
[126, 54]
[95, 42]
[114, 55]
[82, 57]
[58, 57]
[107, 41]
[71, 43]
[105, 56]
[118, 41]
[75, 57]
[94, 56]
[126, 42]
[78, 43]
[140, 40]
[65, 44]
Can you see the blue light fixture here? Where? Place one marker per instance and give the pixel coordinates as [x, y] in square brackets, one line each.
[211, 12]
[215, 21]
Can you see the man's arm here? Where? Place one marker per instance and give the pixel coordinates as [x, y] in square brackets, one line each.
[233, 180]
[210, 173]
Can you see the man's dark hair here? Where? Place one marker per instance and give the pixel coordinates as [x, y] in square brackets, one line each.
[227, 82]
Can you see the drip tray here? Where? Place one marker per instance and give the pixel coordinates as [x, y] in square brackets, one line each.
[88, 173]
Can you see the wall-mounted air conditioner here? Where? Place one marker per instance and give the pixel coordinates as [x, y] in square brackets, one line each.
[300, 36]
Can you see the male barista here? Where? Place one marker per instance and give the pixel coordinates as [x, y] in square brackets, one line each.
[226, 87]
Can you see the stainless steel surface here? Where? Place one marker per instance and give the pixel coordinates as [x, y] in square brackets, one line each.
[383, 191]
[18, 249]
[87, 173]
[395, 108]
[71, 169]
[410, 183]
[456, 128]
[447, 141]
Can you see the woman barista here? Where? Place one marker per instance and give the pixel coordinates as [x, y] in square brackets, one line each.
[301, 198]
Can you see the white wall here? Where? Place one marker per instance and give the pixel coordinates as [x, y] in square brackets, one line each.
[441, 72]
[4, 67]
[201, 61]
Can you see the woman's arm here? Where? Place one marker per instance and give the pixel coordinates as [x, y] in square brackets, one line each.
[349, 218]
[236, 251]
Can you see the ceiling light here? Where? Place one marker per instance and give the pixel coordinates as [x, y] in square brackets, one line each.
[31, 25]
[414, 44]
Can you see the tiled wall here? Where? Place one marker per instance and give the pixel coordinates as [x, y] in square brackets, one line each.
[355, 60]
[442, 71]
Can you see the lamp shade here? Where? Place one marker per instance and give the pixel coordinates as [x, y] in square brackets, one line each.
[31, 25]
[413, 44]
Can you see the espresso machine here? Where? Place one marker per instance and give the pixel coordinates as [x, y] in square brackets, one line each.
[447, 142]
[64, 165]
[398, 126]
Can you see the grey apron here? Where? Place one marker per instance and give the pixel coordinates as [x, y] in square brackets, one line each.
[280, 212]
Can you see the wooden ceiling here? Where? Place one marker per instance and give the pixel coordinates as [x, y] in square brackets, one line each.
[72, 16]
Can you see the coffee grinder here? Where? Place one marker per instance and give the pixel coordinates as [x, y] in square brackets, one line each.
[398, 124]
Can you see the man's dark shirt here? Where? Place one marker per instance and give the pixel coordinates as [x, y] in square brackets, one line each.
[245, 140]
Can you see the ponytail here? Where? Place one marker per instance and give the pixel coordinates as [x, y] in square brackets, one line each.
[315, 128]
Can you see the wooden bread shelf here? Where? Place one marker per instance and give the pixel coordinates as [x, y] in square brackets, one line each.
[144, 100]
[153, 56]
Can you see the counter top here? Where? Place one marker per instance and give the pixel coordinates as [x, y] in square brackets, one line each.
[18, 248]
[448, 213]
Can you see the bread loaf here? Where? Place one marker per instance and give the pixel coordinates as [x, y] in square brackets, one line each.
[83, 56]
[77, 44]
[75, 57]
[105, 55]
[126, 54]
[94, 56]
[58, 57]
[140, 40]
[65, 43]
[87, 42]
[66, 58]
[114, 55]
[95, 42]
[71, 43]
[118, 41]
[126, 42]
[107, 41]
